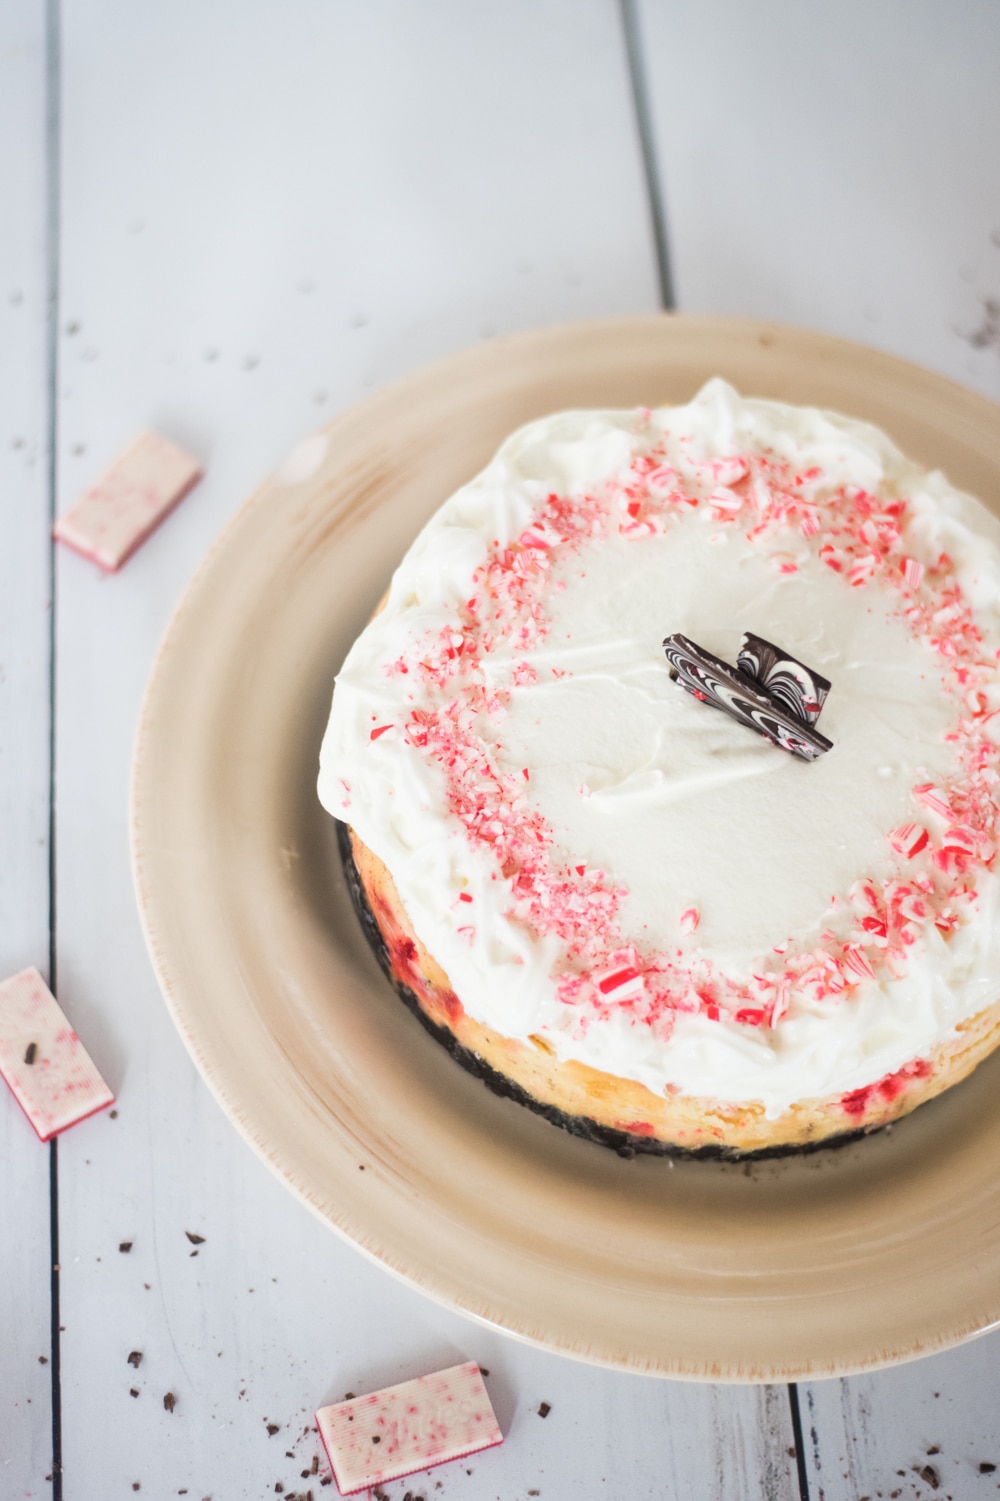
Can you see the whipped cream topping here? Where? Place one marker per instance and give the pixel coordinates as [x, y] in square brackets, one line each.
[599, 860]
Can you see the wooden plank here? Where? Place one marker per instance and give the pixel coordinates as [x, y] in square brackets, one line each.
[25, 1407]
[838, 169]
[900, 1431]
[346, 192]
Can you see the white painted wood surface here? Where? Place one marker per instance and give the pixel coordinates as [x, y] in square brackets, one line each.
[836, 167]
[267, 210]
[25, 1410]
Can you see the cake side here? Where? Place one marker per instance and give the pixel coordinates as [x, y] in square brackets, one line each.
[622, 1113]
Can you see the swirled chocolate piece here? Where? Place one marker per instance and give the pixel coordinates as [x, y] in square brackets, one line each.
[713, 681]
[785, 678]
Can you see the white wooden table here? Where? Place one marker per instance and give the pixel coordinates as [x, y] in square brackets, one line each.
[228, 221]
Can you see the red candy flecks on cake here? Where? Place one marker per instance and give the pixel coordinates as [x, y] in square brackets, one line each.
[890, 1087]
[391, 1433]
[859, 537]
[46, 1066]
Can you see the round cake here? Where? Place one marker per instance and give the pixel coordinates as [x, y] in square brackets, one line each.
[668, 927]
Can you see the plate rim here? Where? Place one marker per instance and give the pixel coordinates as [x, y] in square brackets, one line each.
[182, 1016]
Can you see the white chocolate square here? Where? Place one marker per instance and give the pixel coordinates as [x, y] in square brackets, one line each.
[49, 1072]
[409, 1427]
[129, 501]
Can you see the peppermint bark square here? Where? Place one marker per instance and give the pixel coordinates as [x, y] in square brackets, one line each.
[46, 1066]
[387, 1434]
[129, 501]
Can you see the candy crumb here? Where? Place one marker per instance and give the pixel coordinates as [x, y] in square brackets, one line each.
[394, 1432]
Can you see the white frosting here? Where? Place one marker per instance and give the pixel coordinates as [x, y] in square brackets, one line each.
[681, 808]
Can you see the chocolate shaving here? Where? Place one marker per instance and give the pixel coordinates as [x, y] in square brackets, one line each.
[196, 1240]
[135, 1358]
[124, 1246]
[791, 682]
[545, 1409]
[31, 1053]
[714, 682]
[169, 1401]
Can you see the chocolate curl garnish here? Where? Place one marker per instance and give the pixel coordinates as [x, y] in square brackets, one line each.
[802, 691]
[713, 681]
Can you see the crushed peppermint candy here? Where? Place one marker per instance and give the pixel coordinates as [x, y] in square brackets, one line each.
[463, 680]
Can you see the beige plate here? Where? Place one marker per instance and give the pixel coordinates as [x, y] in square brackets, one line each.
[817, 1265]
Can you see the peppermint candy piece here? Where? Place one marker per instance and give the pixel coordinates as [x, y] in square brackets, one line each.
[798, 687]
[713, 681]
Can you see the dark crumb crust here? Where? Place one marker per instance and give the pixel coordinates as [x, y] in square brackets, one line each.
[623, 1142]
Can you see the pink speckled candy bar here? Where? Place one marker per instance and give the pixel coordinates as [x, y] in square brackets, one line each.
[49, 1072]
[408, 1427]
[128, 501]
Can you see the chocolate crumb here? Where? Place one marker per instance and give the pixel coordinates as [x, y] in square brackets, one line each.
[196, 1240]
[135, 1358]
[376, 1438]
[934, 1449]
[132, 1391]
[194, 1253]
[349, 1396]
[31, 1052]
[279, 1489]
[545, 1409]
[314, 1467]
[124, 1247]
[169, 1401]
[931, 1476]
[136, 1486]
[147, 1285]
[380, 1494]
[985, 1467]
[484, 1370]
[272, 1429]
[289, 1454]
[43, 1360]
[113, 1116]
[534, 1493]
